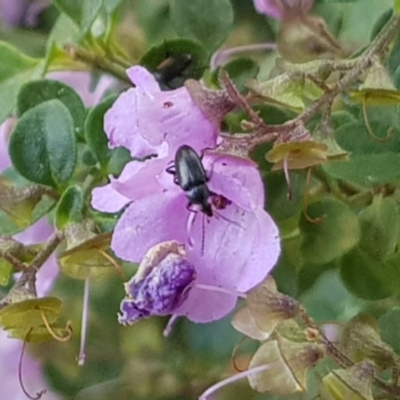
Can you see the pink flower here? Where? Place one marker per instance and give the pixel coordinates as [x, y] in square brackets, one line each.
[231, 253]
[279, 9]
[148, 121]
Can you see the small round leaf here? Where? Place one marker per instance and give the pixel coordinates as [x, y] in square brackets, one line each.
[367, 278]
[94, 131]
[69, 208]
[335, 234]
[37, 92]
[42, 146]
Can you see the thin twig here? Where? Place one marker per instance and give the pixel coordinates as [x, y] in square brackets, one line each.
[16, 263]
[46, 251]
[97, 62]
[342, 359]
[266, 133]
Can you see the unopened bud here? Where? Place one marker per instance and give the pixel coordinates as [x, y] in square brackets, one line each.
[161, 285]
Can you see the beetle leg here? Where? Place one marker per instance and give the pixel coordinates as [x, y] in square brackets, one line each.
[171, 170]
[190, 209]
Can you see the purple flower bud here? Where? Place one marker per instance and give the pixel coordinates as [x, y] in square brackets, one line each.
[164, 288]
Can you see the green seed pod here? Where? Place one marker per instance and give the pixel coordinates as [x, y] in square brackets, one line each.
[351, 384]
[289, 363]
[361, 341]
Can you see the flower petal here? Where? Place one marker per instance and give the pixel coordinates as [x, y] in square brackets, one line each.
[140, 179]
[264, 255]
[236, 178]
[205, 306]
[143, 79]
[122, 125]
[149, 221]
[143, 118]
[271, 8]
[107, 199]
[239, 254]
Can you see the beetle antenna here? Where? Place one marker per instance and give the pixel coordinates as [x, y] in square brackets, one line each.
[219, 215]
[203, 236]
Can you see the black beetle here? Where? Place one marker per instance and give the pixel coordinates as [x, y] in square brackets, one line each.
[172, 72]
[190, 175]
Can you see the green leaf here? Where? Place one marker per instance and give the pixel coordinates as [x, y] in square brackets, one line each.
[397, 6]
[367, 170]
[69, 208]
[28, 313]
[37, 92]
[341, 118]
[15, 69]
[379, 225]
[240, 70]
[279, 204]
[396, 78]
[8, 225]
[328, 299]
[392, 61]
[308, 274]
[380, 23]
[64, 32]
[389, 325]
[94, 131]
[336, 232]
[111, 5]
[368, 278]
[119, 158]
[285, 272]
[37, 334]
[371, 162]
[174, 61]
[42, 146]
[287, 92]
[210, 22]
[6, 270]
[83, 13]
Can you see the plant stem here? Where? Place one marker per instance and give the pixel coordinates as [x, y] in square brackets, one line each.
[97, 62]
[46, 252]
[342, 359]
[268, 133]
[14, 261]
